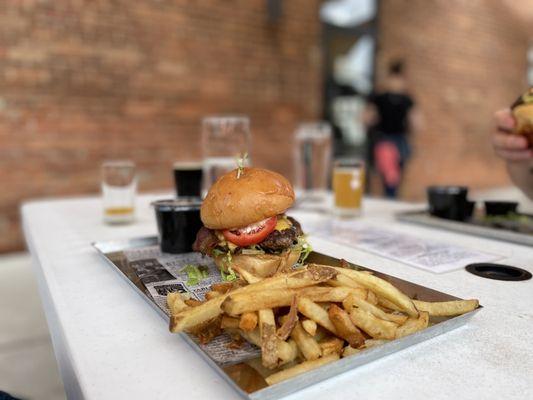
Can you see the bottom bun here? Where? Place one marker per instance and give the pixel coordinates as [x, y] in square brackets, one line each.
[262, 265]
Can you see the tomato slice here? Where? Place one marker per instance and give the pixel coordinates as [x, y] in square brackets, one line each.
[251, 234]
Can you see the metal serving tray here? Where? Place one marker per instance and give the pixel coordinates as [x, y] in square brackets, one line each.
[241, 376]
[423, 217]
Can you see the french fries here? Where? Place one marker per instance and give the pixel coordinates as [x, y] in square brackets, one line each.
[240, 303]
[345, 327]
[313, 311]
[289, 321]
[381, 288]
[349, 351]
[300, 369]
[312, 275]
[309, 326]
[413, 325]
[331, 345]
[229, 322]
[187, 319]
[254, 337]
[369, 343]
[175, 303]
[193, 302]
[267, 330]
[247, 276]
[375, 327]
[296, 320]
[352, 301]
[212, 294]
[222, 287]
[306, 343]
[345, 280]
[447, 308]
[287, 351]
[248, 321]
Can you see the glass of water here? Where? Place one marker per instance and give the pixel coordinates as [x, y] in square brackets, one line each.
[119, 186]
[312, 155]
[225, 139]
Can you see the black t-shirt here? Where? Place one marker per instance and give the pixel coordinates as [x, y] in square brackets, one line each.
[393, 110]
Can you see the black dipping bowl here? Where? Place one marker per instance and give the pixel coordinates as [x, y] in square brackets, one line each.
[449, 202]
[500, 207]
[178, 222]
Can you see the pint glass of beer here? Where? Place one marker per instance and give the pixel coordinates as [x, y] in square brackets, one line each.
[188, 178]
[348, 186]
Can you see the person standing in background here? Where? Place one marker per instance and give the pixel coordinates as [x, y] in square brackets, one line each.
[390, 116]
[515, 150]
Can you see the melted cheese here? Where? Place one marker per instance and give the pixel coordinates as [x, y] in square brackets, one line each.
[282, 224]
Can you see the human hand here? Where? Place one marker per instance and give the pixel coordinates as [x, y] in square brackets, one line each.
[506, 145]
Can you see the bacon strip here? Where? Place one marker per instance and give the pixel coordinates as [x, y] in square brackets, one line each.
[205, 242]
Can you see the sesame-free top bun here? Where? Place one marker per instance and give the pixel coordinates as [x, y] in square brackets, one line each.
[235, 202]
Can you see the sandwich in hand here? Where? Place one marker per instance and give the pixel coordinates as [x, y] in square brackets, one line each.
[522, 110]
[245, 227]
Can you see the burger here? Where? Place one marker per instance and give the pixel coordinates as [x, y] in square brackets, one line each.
[522, 110]
[246, 230]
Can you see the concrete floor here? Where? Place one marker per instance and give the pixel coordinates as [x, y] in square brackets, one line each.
[28, 367]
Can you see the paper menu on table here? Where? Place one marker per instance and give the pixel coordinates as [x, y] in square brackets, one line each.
[427, 254]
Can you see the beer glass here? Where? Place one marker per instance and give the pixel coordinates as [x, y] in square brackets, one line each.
[348, 186]
[188, 178]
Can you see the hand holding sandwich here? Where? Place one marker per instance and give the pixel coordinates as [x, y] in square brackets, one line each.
[512, 141]
[509, 146]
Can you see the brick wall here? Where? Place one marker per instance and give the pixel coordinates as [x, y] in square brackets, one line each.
[83, 81]
[465, 59]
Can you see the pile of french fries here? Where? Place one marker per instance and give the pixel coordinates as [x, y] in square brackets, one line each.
[309, 317]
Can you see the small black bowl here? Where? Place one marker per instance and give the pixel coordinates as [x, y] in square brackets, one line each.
[178, 222]
[500, 207]
[449, 202]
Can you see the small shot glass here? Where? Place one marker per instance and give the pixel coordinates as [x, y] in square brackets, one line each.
[119, 186]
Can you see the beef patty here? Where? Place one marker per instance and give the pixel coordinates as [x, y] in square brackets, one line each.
[281, 240]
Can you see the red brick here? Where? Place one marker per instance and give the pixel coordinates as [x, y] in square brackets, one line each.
[81, 82]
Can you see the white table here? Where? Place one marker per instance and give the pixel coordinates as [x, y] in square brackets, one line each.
[111, 345]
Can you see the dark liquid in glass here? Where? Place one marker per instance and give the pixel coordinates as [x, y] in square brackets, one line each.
[188, 181]
[178, 222]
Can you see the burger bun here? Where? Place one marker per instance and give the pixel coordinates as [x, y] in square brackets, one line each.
[240, 198]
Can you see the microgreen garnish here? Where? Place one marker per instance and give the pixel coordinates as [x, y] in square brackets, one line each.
[241, 161]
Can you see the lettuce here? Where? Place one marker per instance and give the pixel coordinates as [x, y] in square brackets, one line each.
[218, 252]
[195, 273]
[230, 275]
[305, 249]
